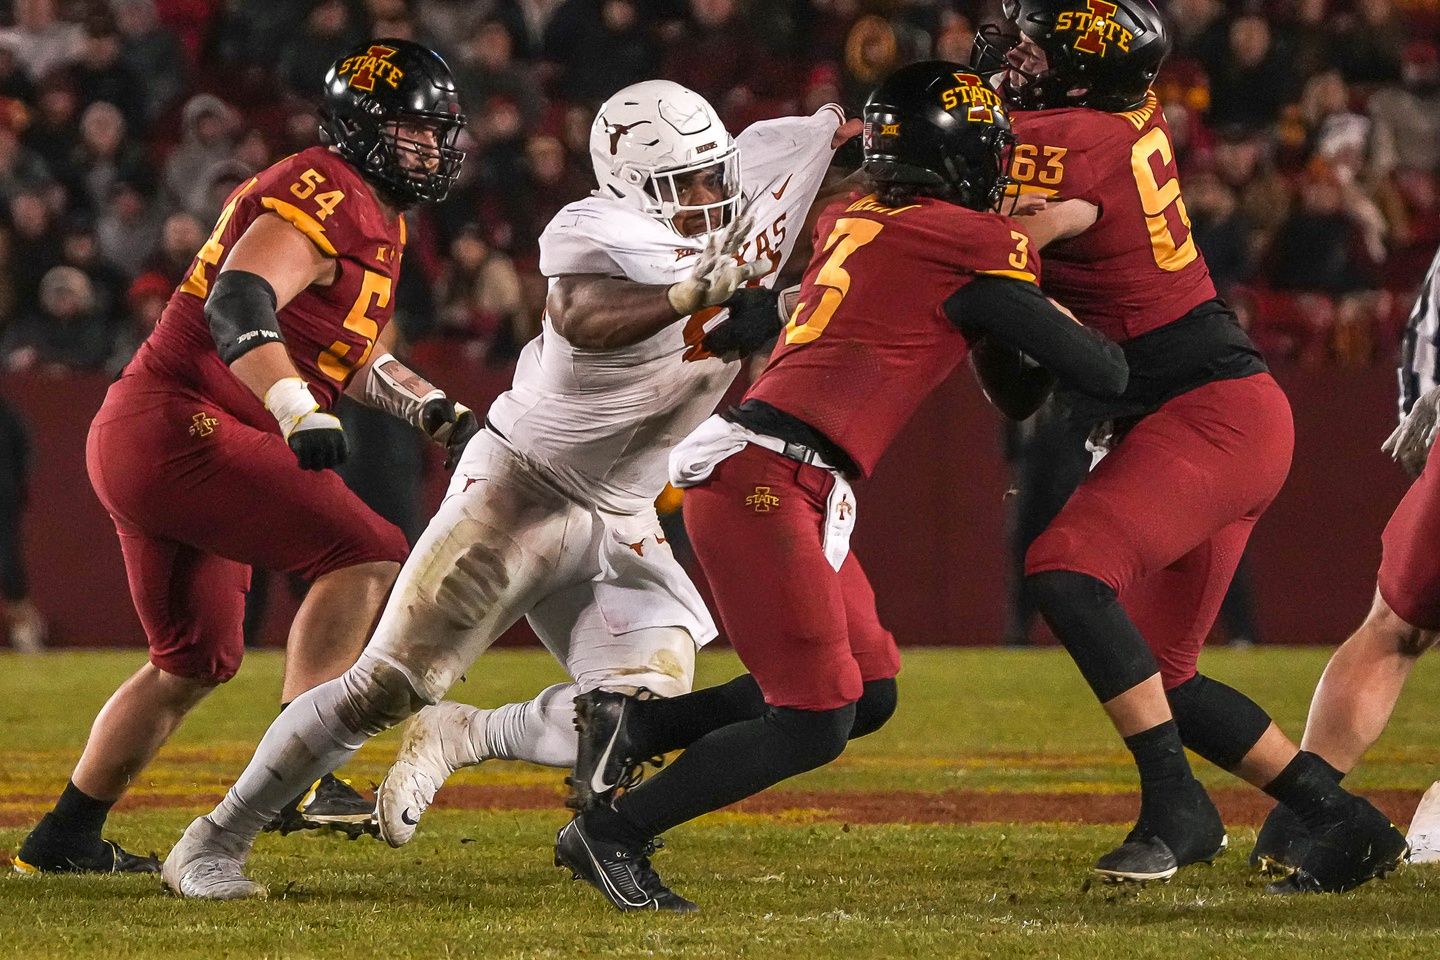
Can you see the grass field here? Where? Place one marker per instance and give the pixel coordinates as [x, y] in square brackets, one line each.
[963, 829]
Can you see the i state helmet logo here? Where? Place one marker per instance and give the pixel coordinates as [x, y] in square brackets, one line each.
[1097, 28]
[365, 68]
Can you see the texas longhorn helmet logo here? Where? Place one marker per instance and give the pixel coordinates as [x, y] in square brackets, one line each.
[1097, 27]
[363, 69]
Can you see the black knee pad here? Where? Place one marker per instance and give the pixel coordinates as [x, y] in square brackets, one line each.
[816, 736]
[1217, 721]
[875, 706]
[1086, 616]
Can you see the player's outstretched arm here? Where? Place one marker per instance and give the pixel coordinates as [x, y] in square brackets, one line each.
[1015, 313]
[386, 383]
[268, 266]
[1058, 221]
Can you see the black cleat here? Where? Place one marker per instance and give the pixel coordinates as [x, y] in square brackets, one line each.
[623, 874]
[1186, 833]
[46, 850]
[1281, 844]
[607, 760]
[330, 804]
[1357, 845]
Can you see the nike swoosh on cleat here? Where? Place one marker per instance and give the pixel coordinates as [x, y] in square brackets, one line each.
[596, 783]
[405, 817]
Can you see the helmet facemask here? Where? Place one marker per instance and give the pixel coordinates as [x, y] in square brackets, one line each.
[413, 157]
[666, 189]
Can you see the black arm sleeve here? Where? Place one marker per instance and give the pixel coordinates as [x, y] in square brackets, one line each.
[1017, 314]
[241, 313]
[1011, 381]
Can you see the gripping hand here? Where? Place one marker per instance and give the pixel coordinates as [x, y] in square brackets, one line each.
[315, 438]
[449, 424]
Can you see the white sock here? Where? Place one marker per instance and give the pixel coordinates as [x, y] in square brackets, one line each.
[540, 731]
[308, 740]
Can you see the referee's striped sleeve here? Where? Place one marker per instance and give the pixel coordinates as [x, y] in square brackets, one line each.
[1420, 349]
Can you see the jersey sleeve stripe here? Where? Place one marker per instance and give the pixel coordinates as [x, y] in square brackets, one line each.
[1024, 275]
[301, 221]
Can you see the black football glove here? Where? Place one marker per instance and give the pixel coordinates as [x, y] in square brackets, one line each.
[754, 321]
[318, 442]
[449, 424]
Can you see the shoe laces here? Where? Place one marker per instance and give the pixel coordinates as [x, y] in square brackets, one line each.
[639, 860]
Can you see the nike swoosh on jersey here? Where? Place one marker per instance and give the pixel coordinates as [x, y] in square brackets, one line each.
[778, 193]
[596, 783]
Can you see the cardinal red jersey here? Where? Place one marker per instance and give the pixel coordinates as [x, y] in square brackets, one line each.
[330, 331]
[1138, 267]
[869, 338]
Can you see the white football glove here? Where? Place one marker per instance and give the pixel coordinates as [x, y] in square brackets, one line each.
[1410, 443]
[717, 275]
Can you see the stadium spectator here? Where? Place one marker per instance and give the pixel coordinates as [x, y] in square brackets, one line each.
[44, 42]
[80, 249]
[128, 228]
[25, 626]
[329, 31]
[1369, 43]
[151, 51]
[1412, 111]
[486, 68]
[104, 155]
[66, 332]
[478, 296]
[37, 247]
[1250, 82]
[1223, 232]
[209, 126]
[600, 47]
[180, 236]
[101, 75]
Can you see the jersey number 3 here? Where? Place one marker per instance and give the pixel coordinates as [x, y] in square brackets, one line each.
[849, 235]
[1157, 198]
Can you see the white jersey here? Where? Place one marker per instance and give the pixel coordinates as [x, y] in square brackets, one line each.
[602, 422]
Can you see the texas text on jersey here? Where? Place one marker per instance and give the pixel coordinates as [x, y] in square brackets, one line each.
[603, 422]
[330, 330]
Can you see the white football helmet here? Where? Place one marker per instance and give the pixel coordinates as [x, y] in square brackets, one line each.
[651, 133]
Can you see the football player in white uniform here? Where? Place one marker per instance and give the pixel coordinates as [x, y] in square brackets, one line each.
[550, 513]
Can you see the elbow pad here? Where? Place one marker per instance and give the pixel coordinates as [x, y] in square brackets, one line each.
[241, 313]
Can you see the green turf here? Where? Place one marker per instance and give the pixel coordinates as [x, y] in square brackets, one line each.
[480, 883]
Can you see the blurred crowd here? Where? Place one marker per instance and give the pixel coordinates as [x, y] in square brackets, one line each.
[1308, 133]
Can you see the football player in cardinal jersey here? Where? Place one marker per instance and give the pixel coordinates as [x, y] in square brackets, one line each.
[1364, 678]
[901, 279]
[550, 515]
[1129, 587]
[212, 451]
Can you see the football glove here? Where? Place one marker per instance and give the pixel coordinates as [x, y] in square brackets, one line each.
[1410, 442]
[316, 438]
[717, 274]
[450, 424]
[755, 319]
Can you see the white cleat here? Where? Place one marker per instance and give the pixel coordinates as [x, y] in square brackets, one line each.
[1424, 835]
[422, 766]
[209, 864]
